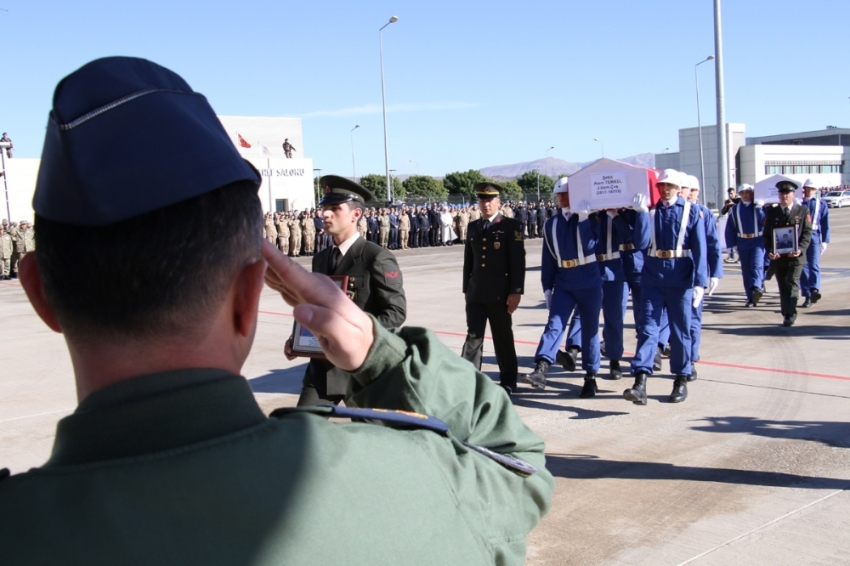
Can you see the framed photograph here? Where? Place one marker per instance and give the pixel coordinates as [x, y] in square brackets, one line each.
[785, 240]
[304, 342]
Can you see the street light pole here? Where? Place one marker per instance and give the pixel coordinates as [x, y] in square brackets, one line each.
[393, 20]
[723, 170]
[353, 164]
[699, 126]
[602, 144]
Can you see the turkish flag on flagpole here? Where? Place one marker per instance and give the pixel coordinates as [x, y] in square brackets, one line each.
[242, 141]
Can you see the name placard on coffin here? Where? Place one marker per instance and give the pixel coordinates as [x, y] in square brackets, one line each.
[766, 188]
[608, 183]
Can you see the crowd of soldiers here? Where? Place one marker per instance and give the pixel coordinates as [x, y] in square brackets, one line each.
[401, 227]
[16, 240]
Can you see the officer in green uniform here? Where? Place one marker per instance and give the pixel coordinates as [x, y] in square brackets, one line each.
[788, 263]
[374, 279]
[168, 458]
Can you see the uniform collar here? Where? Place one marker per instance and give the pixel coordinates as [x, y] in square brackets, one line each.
[492, 218]
[346, 245]
[153, 413]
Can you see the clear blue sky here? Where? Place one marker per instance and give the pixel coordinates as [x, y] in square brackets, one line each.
[469, 83]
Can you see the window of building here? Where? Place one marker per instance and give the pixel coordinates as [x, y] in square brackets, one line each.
[281, 205]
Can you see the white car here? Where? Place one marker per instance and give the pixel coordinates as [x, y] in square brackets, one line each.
[837, 199]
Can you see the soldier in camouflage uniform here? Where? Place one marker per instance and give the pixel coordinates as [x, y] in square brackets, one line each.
[384, 230]
[283, 233]
[6, 249]
[294, 236]
[308, 229]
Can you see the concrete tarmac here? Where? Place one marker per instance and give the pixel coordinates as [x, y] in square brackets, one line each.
[754, 468]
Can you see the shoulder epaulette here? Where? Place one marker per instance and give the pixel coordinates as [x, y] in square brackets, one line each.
[4, 473]
[385, 416]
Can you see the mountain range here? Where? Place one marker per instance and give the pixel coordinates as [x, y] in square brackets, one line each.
[554, 167]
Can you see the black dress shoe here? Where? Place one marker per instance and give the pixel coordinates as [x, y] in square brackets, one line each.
[693, 376]
[680, 389]
[807, 303]
[602, 348]
[656, 364]
[816, 296]
[509, 389]
[665, 351]
[757, 295]
[789, 321]
[567, 359]
[750, 304]
[589, 389]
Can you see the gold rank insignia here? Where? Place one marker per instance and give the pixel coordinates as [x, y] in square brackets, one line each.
[518, 236]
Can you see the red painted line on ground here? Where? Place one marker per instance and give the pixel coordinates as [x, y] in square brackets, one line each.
[705, 362]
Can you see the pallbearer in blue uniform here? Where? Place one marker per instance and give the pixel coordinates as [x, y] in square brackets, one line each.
[674, 276]
[714, 263]
[744, 229]
[810, 279]
[610, 233]
[571, 281]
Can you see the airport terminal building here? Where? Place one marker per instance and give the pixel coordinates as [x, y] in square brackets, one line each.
[820, 155]
[287, 183]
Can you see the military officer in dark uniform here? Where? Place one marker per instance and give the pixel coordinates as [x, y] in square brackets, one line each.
[168, 458]
[493, 282]
[788, 266]
[374, 279]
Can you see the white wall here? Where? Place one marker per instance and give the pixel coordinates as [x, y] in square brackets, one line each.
[19, 186]
[754, 158]
[286, 179]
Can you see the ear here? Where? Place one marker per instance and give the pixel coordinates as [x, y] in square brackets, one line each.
[247, 288]
[30, 279]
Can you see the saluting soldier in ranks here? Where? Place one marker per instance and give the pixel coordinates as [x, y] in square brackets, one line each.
[474, 213]
[493, 283]
[374, 280]
[6, 249]
[384, 223]
[271, 231]
[788, 265]
[571, 281]
[522, 217]
[462, 224]
[714, 263]
[294, 236]
[283, 233]
[168, 457]
[403, 229]
[308, 231]
[745, 231]
[362, 227]
[674, 277]
[23, 238]
[810, 278]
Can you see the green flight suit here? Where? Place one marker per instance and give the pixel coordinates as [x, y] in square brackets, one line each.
[183, 468]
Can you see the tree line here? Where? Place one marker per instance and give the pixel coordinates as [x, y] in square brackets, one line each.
[457, 183]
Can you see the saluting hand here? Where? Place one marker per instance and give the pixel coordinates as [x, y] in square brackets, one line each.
[345, 332]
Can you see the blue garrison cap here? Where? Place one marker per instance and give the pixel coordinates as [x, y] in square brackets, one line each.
[125, 137]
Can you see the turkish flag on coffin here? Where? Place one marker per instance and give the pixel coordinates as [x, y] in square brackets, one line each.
[242, 141]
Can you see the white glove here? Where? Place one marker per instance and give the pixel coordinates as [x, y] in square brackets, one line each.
[583, 210]
[640, 203]
[822, 247]
[698, 293]
[713, 282]
[548, 295]
[760, 202]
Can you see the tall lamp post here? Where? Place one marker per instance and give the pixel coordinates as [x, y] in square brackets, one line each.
[548, 150]
[722, 153]
[699, 125]
[318, 191]
[392, 174]
[393, 20]
[602, 144]
[353, 164]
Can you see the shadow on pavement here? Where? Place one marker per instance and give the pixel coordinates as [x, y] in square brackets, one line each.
[279, 381]
[830, 433]
[817, 331]
[580, 466]
[580, 412]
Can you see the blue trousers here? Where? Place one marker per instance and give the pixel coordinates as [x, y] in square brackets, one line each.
[696, 329]
[810, 278]
[614, 299]
[664, 328]
[633, 280]
[588, 302]
[752, 269]
[678, 304]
